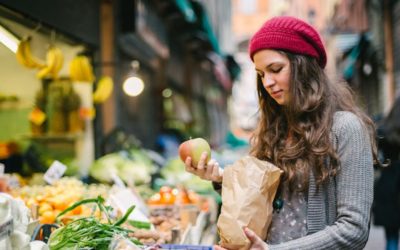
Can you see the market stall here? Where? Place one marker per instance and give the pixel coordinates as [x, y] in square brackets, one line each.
[69, 213]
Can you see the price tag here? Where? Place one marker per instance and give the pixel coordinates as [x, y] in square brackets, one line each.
[117, 181]
[55, 172]
[6, 229]
[123, 199]
[2, 169]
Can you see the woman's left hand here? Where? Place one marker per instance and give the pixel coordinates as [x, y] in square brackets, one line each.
[256, 242]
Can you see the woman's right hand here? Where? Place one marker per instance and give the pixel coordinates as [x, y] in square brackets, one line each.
[207, 171]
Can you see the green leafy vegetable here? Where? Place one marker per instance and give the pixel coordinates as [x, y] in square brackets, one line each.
[140, 224]
[89, 232]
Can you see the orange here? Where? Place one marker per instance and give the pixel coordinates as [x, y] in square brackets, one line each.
[44, 206]
[47, 217]
[59, 203]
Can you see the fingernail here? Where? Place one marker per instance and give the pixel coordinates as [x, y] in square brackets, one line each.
[246, 230]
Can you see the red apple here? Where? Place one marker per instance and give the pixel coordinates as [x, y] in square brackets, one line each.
[194, 148]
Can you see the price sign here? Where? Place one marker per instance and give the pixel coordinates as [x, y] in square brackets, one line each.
[2, 169]
[6, 229]
[123, 199]
[117, 181]
[55, 172]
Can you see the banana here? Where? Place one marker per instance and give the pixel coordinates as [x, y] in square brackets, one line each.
[81, 70]
[75, 70]
[20, 54]
[87, 69]
[58, 62]
[104, 89]
[25, 57]
[54, 63]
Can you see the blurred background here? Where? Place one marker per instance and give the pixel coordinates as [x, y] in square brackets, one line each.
[83, 81]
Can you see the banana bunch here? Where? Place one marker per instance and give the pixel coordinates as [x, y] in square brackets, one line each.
[80, 69]
[54, 63]
[104, 89]
[25, 57]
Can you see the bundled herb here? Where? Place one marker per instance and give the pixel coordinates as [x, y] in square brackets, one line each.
[89, 232]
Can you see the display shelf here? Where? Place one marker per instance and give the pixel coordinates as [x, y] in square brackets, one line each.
[54, 137]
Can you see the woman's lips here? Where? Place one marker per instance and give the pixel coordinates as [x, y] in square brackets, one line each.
[276, 94]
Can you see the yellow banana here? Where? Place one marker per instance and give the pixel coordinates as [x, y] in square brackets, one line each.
[29, 57]
[87, 69]
[20, 54]
[44, 72]
[59, 61]
[104, 89]
[74, 71]
[81, 70]
[25, 56]
[54, 62]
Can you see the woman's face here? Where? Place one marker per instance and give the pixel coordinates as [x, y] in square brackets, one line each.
[273, 68]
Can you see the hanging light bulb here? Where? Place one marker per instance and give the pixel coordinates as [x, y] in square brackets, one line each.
[133, 85]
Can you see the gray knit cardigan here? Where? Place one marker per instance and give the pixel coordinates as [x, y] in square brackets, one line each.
[338, 213]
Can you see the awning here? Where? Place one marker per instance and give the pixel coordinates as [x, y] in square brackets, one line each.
[352, 56]
[186, 8]
[220, 71]
[206, 26]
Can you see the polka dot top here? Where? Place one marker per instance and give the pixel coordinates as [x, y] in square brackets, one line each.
[291, 221]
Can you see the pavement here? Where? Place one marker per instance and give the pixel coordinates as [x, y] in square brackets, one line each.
[376, 240]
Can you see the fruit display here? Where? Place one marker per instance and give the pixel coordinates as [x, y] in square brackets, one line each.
[81, 70]
[172, 196]
[25, 56]
[194, 148]
[87, 217]
[49, 201]
[176, 210]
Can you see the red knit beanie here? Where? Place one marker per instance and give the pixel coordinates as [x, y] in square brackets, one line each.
[289, 34]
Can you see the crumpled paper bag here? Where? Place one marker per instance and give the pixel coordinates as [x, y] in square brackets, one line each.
[248, 190]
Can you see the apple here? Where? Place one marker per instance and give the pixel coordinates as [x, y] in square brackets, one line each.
[193, 148]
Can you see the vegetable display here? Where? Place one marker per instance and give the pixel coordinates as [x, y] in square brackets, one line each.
[90, 232]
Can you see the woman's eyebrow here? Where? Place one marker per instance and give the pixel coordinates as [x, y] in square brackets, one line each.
[270, 65]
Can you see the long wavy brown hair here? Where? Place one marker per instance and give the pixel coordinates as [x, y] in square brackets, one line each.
[296, 136]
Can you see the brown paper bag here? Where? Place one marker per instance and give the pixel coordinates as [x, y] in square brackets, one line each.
[248, 189]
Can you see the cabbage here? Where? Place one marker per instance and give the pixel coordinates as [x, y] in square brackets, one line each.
[133, 166]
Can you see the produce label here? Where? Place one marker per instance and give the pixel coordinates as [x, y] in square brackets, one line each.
[6, 229]
[55, 172]
[2, 169]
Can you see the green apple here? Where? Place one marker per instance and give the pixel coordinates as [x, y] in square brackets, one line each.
[194, 148]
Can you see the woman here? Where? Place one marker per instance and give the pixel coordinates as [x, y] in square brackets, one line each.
[386, 208]
[312, 130]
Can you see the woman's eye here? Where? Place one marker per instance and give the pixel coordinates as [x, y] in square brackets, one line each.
[277, 70]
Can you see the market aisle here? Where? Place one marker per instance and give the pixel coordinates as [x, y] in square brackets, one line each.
[376, 239]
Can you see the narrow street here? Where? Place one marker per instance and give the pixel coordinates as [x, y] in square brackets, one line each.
[376, 239]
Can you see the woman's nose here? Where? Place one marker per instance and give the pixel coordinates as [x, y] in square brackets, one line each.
[268, 81]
